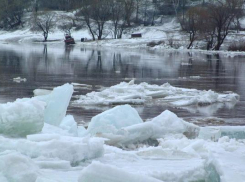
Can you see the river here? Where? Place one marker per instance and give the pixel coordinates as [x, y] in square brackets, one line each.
[51, 65]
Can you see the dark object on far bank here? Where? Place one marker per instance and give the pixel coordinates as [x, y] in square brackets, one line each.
[69, 39]
[136, 35]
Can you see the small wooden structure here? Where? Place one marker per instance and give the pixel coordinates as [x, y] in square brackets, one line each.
[136, 35]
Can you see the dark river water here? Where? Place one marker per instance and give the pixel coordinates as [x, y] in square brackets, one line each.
[48, 66]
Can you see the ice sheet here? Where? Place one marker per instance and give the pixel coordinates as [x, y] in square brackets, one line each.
[144, 93]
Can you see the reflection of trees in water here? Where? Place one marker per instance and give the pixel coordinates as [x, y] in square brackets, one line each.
[10, 61]
[68, 51]
[114, 65]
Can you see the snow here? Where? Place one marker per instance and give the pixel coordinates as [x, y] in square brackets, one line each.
[22, 117]
[144, 93]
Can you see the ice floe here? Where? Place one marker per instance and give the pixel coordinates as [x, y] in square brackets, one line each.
[144, 93]
[117, 146]
[158, 127]
[39, 92]
[19, 79]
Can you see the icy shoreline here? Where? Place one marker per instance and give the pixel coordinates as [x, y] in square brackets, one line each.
[155, 34]
[117, 146]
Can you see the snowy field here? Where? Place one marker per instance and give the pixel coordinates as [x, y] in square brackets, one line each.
[40, 143]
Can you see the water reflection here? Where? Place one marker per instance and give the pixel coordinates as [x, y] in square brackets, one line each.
[47, 66]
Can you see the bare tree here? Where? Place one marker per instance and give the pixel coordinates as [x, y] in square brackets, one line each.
[191, 23]
[100, 14]
[117, 17]
[212, 22]
[175, 4]
[67, 24]
[129, 9]
[221, 15]
[95, 13]
[44, 22]
[86, 15]
[11, 12]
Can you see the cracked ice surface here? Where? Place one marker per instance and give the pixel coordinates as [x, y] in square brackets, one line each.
[130, 93]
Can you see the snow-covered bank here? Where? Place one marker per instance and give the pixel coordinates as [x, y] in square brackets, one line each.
[143, 93]
[165, 148]
[169, 31]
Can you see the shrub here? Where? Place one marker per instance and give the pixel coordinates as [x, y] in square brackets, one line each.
[237, 46]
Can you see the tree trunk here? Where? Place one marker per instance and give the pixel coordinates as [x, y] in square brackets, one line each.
[45, 35]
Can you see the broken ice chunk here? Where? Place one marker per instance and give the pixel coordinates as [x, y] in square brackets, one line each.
[19, 79]
[17, 167]
[132, 130]
[209, 133]
[41, 179]
[70, 149]
[108, 173]
[69, 124]
[39, 92]
[112, 120]
[22, 117]
[57, 102]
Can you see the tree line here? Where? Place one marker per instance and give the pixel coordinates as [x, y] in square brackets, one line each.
[204, 19]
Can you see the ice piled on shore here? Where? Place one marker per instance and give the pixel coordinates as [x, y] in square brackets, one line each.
[130, 93]
[22, 117]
